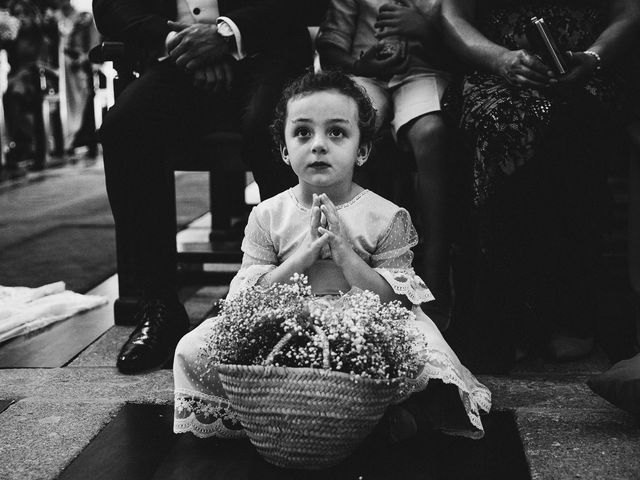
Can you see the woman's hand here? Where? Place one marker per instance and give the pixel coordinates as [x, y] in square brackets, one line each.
[520, 68]
[582, 67]
[309, 250]
[372, 64]
[406, 19]
[341, 250]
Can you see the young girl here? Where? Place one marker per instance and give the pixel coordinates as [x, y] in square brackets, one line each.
[341, 236]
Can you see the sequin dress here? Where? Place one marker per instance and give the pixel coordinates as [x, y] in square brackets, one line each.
[381, 233]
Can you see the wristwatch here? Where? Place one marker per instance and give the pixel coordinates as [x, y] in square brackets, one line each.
[225, 31]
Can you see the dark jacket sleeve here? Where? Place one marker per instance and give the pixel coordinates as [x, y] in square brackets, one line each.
[268, 23]
[132, 22]
[264, 24]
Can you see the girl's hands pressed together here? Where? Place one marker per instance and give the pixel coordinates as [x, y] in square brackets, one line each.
[311, 247]
[341, 250]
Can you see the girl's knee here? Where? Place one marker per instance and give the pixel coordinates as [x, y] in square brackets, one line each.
[188, 348]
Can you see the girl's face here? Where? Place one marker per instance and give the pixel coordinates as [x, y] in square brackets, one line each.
[322, 139]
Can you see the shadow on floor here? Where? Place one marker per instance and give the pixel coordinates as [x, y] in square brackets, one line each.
[139, 444]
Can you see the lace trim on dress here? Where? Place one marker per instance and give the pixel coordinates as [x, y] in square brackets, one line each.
[339, 207]
[475, 397]
[405, 282]
[248, 277]
[205, 415]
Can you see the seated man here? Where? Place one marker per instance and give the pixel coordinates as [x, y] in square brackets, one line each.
[213, 65]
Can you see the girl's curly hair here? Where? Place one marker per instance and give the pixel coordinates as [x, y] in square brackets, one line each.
[313, 82]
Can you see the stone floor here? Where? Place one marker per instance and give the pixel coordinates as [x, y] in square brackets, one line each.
[49, 416]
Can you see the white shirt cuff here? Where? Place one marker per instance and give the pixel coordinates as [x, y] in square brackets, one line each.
[165, 52]
[239, 54]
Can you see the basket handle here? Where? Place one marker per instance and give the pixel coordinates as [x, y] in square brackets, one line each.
[284, 340]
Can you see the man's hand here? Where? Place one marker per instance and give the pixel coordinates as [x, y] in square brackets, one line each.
[196, 46]
[407, 20]
[520, 68]
[216, 78]
[371, 64]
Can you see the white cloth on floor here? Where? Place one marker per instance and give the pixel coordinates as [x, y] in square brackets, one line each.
[24, 309]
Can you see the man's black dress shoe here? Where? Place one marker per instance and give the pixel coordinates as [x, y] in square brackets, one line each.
[161, 324]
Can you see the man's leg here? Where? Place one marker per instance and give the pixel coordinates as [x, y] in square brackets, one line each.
[153, 121]
[262, 81]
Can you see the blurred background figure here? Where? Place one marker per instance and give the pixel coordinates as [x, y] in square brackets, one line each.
[27, 77]
[9, 27]
[77, 35]
[48, 102]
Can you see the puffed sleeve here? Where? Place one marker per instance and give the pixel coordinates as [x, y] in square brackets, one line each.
[259, 255]
[393, 259]
[339, 25]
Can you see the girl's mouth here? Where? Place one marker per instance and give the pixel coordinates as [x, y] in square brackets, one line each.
[319, 165]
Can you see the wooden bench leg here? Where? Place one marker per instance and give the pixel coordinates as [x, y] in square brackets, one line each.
[226, 199]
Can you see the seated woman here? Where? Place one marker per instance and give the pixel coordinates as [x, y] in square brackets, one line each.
[541, 143]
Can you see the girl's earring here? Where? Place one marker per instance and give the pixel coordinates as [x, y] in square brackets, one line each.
[285, 155]
[363, 155]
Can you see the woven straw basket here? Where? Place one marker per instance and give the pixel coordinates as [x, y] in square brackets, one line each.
[304, 417]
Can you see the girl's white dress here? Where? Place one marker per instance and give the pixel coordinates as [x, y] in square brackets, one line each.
[383, 235]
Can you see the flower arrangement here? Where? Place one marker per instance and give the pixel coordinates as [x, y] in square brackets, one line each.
[367, 338]
[309, 377]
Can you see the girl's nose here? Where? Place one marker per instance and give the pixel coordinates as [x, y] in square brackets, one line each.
[319, 144]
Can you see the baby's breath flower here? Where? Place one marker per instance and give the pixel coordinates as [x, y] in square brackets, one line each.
[367, 338]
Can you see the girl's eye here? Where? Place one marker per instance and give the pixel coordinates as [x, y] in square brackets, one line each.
[301, 132]
[336, 132]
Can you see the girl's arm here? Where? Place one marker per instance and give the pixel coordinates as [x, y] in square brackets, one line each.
[357, 272]
[304, 256]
